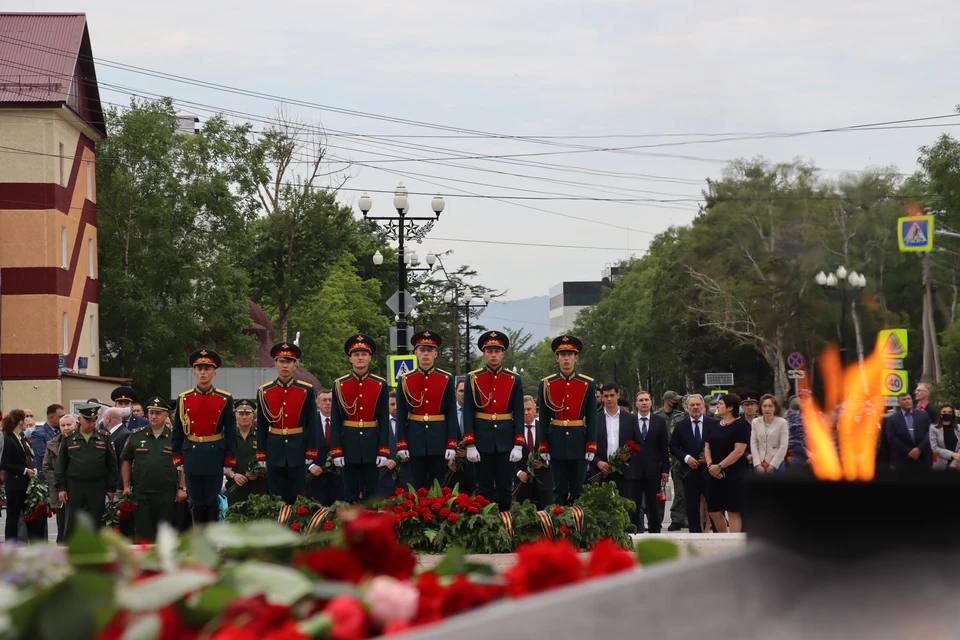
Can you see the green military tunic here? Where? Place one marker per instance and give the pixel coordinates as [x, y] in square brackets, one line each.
[86, 470]
[155, 479]
[246, 460]
[678, 508]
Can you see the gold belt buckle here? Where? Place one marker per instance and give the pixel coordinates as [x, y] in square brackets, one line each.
[565, 422]
[200, 438]
[284, 431]
[494, 417]
[426, 418]
[361, 424]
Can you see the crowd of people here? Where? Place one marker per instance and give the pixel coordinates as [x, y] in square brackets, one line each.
[361, 440]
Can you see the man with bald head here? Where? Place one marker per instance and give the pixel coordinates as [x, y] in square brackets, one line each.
[67, 425]
[686, 445]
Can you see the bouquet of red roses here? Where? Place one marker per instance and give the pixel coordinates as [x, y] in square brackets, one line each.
[534, 462]
[456, 464]
[37, 504]
[126, 506]
[619, 458]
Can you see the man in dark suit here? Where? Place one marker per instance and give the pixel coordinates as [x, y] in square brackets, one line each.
[389, 486]
[538, 489]
[653, 461]
[323, 486]
[686, 445]
[615, 428]
[908, 432]
[466, 478]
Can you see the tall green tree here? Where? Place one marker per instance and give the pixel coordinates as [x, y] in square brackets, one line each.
[173, 211]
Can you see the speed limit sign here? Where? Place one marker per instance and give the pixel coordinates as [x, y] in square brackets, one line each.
[894, 381]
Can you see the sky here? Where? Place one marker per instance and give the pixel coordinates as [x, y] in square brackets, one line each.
[559, 86]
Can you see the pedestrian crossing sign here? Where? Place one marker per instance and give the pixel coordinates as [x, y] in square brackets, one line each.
[893, 343]
[915, 233]
[400, 365]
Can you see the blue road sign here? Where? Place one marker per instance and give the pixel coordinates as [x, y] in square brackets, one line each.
[915, 233]
[795, 360]
[400, 365]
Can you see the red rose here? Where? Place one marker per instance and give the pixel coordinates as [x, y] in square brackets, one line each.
[543, 565]
[399, 492]
[422, 492]
[473, 509]
[372, 538]
[564, 531]
[41, 507]
[607, 558]
[331, 563]
[453, 517]
[633, 446]
[328, 525]
[50, 514]
[427, 517]
[407, 504]
[349, 618]
[447, 491]
[288, 631]
[232, 632]
[117, 529]
[558, 511]
[661, 498]
[444, 512]
[395, 627]
[302, 511]
[295, 526]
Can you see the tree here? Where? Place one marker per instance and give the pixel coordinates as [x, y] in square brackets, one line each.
[173, 211]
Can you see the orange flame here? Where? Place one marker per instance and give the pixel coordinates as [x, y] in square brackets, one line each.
[845, 448]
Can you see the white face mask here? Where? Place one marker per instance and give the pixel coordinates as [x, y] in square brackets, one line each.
[125, 412]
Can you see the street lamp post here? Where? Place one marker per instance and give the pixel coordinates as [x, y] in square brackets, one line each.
[450, 296]
[842, 281]
[613, 350]
[402, 228]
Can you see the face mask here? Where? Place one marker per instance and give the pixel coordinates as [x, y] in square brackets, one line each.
[28, 432]
[946, 417]
[125, 412]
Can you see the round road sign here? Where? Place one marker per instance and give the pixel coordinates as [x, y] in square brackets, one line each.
[795, 360]
[893, 383]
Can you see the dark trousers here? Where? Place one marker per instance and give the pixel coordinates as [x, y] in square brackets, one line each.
[648, 488]
[85, 496]
[629, 489]
[694, 486]
[426, 469]
[496, 469]
[359, 478]
[326, 488]
[35, 529]
[542, 496]
[204, 491]
[287, 482]
[152, 509]
[61, 523]
[465, 480]
[568, 476]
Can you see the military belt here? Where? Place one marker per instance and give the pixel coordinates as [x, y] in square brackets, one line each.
[286, 432]
[567, 423]
[213, 438]
[360, 424]
[417, 418]
[493, 416]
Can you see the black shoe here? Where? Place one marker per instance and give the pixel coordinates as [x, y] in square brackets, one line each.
[675, 526]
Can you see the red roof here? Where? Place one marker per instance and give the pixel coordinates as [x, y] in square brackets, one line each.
[46, 58]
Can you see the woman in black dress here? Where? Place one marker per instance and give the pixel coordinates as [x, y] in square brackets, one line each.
[17, 462]
[725, 446]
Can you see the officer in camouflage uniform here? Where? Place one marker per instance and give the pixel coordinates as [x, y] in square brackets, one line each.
[86, 470]
[672, 413]
[242, 480]
[149, 473]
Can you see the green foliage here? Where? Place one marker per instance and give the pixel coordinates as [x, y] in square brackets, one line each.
[656, 550]
[262, 507]
[606, 514]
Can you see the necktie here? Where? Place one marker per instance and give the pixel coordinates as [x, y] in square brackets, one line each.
[530, 437]
[326, 431]
[908, 417]
[643, 429]
[696, 432]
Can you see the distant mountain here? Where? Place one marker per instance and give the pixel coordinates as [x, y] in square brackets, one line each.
[530, 314]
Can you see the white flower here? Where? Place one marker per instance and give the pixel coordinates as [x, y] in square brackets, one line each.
[390, 600]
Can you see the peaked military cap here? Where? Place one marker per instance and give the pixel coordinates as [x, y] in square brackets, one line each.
[566, 343]
[123, 393]
[286, 350]
[157, 404]
[89, 411]
[360, 342]
[426, 338]
[205, 356]
[749, 396]
[493, 339]
[244, 406]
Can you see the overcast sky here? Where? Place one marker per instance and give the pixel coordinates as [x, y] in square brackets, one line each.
[634, 70]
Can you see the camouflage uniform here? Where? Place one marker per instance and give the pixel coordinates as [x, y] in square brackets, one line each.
[678, 513]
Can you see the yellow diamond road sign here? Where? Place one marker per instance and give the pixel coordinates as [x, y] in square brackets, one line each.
[894, 382]
[893, 343]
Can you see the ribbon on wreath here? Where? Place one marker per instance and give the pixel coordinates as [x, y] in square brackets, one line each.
[285, 512]
[577, 518]
[546, 523]
[507, 522]
[317, 519]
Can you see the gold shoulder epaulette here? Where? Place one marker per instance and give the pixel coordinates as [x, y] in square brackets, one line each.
[476, 370]
[266, 384]
[376, 377]
[224, 392]
[445, 372]
[138, 429]
[305, 383]
[516, 373]
[549, 377]
[585, 377]
[185, 393]
[342, 378]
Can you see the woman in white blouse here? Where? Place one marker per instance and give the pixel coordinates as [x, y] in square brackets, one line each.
[769, 437]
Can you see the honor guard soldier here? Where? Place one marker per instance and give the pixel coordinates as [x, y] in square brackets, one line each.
[360, 422]
[148, 472]
[287, 419]
[426, 414]
[86, 470]
[493, 421]
[242, 480]
[204, 437]
[567, 412]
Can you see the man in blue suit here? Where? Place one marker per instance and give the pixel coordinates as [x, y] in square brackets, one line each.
[389, 486]
[908, 434]
[323, 486]
[686, 445]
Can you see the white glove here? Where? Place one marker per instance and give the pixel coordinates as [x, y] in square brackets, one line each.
[450, 454]
[403, 455]
[472, 454]
[589, 457]
[308, 461]
[180, 468]
[381, 461]
[338, 462]
[516, 454]
[545, 457]
[262, 464]
[226, 469]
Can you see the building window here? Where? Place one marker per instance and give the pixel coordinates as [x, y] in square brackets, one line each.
[90, 258]
[63, 248]
[66, 334]
[89, 181]
[63, 172]
[93, 336]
